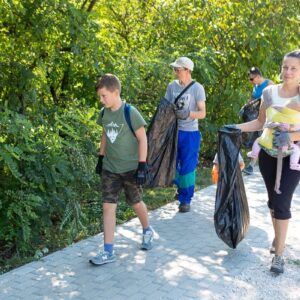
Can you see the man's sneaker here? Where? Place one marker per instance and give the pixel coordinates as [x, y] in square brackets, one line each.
[272, 249]
[147, 242]
[102, 258]
[248, 170]
[184, 207]
[277, 264]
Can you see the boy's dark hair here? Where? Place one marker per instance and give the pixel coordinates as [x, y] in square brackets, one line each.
[254, 71]
[110, 82]
[294, 54]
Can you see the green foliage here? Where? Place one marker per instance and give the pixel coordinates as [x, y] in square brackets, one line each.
[50, 55]
[22, 212]
[48, 172]
[48, 51]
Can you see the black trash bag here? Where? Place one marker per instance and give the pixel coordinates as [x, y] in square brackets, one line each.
[250, 110]
[248, 113]
[162, 137]
[249, 138]
[231, 216]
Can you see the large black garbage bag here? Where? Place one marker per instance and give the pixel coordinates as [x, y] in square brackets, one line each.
[249, 138]
[162, 146]
[248, 113]
[250, 110]
[231, 216]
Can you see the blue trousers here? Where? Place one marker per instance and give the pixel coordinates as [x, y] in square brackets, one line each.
[186, 163]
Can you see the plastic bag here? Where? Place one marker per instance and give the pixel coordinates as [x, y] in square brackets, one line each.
[231, 215]
[162, 137]
[250, 110]
[248, 113]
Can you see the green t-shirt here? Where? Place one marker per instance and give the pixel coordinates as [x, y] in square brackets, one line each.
[121, 152]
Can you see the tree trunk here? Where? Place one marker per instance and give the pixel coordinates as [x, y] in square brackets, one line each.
[92, 4]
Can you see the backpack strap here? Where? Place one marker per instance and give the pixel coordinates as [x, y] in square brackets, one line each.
[127, 117]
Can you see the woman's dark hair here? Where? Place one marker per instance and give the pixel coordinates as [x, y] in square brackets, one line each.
[294, 54]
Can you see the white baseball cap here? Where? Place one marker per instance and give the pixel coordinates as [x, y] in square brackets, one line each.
[183, 62]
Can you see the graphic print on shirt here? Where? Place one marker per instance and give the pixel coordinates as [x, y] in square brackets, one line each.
[112, 131]
[184, 101]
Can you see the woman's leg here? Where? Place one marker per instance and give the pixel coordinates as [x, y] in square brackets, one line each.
[267, 167]
[279, 204]
[281, 227]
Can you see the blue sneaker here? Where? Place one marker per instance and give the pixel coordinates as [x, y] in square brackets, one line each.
[147, 242]
[102, 258]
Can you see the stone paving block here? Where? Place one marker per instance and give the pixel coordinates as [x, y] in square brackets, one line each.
[25, 270]
[150, 288]
[11, 298]
[110, 293]
[131, 289]
[102, 276]
[92, 293]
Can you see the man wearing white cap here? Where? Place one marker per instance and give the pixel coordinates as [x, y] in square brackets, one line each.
[189, 108]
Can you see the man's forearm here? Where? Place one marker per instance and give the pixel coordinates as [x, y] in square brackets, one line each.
[197, 114]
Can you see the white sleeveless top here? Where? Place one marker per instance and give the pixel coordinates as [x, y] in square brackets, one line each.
[280, 101]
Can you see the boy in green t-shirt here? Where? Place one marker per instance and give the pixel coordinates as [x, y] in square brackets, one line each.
[122, 164]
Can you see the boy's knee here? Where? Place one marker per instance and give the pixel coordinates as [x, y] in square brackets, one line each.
[109, 207]
[138, 204]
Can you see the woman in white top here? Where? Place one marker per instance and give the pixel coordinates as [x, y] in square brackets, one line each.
[273, 141]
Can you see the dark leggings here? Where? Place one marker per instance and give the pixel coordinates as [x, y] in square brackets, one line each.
[279, 203]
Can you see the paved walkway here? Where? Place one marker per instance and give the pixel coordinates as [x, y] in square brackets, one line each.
[189, 261]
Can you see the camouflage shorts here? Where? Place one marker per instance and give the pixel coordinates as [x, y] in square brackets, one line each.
[112, 185]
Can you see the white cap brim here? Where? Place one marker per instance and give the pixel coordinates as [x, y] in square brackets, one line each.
[174, 65]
